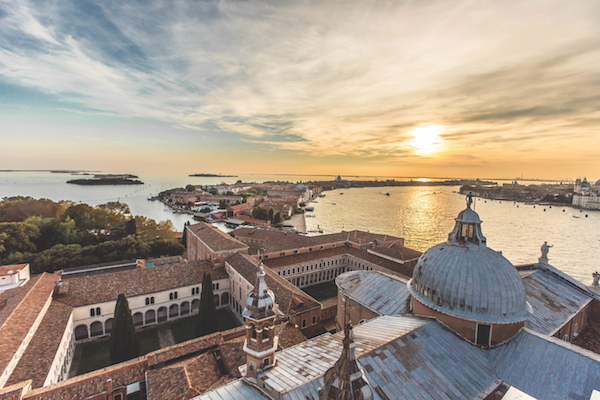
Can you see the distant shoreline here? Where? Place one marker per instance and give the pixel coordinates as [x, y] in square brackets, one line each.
[106, 181]
[213, 176]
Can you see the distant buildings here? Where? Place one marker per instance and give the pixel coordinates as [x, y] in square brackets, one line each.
[586, 195]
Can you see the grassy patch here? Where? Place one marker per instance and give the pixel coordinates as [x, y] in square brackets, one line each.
[96, 355]
[149, 341]
[322, 291]
[185, 329]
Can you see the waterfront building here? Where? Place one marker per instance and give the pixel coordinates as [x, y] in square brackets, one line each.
[586, 195]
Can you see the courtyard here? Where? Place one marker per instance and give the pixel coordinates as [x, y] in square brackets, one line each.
[95, 355]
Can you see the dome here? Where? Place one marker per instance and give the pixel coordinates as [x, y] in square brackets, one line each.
[465, 278]
[597, 184]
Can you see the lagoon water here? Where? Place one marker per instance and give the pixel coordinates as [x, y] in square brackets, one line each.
[422, 215]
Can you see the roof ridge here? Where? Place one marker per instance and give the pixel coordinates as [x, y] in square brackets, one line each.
[43, 274]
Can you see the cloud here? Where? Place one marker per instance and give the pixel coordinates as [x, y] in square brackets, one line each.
[339, 78]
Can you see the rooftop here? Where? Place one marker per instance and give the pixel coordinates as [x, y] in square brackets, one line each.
[280, 241]
[401, 269]
[384, 294]
[22, 306]
[215, 239]
[290, 299]
[553, 300]
[106, 287]
[38, 357]
[5, 269]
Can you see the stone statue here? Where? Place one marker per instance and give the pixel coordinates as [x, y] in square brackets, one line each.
[469, 199]
[545, 249]
[596, 277]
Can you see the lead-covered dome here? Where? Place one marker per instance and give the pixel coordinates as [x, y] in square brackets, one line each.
[466, 279]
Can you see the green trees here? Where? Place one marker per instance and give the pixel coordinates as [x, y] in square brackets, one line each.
[190, 188]
[206, 321]
[123, 341]
[53, 236]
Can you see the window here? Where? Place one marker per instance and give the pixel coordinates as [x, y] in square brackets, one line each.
[98, 311]
[152, 300]
[92, 312]
[310, 249]
[170, 296]
[175, 295]
[302, 269]
[284, 272]
[483, 335]
[266, 257]
[118, 396]
[147, 300]
[278, 272]
[321, 247]
[304, 323]
[333, 245]
[282, 254]
[314, 319]
[295, 251]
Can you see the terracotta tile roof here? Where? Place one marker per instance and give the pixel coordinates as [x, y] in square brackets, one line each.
[214, 238]
[329, 312]
[290, 299]
[18, 316]
[15, 392]
[277, 241]
[4, 269]
[401, 269]
[101, 288]
[177, 351]
[398, 252]
[93, 383]
[169, 383]
[589, 337]
[234, 355]
[37, 359]
[288, 335]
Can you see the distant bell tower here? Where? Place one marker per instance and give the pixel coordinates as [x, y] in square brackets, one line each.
[261, 343]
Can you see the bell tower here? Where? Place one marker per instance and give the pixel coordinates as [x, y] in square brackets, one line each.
[261, 343]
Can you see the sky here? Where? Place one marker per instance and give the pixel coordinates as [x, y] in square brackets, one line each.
[494, 89]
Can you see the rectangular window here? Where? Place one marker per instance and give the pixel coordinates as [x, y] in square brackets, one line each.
[92, 312]
[118, 396]
[333, 245]
[152, 300]
[267, 256]
[175, 295]
[170, 296]
[310, 249]
[314, 319]
[304, 323]
[484, 333]
[148, 300]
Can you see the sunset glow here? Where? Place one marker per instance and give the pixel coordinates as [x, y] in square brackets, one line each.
[261, 86]
[426, 139]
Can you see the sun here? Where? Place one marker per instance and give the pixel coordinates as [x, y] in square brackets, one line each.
[426, 139]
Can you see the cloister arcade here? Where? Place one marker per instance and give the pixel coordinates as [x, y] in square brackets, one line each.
[148, 317]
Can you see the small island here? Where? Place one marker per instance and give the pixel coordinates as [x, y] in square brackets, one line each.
[214, 176]
[105, 181]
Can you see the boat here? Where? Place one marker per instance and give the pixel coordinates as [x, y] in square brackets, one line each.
[387, 194]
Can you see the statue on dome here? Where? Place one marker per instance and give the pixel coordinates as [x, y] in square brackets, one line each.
[469, 199]
[545, 249]
[596, 277]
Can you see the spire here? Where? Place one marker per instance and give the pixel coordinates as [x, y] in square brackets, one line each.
[345, 380]
[260, 301]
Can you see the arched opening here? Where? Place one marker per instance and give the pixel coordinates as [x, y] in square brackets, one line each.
[162, 314]
[185, 308]
[96, 329]
[173, 311]
[150, 317]
[225, 298]
[216, 299]
[138, 319]
[108, 326]
[195, 305]
[81, 332]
